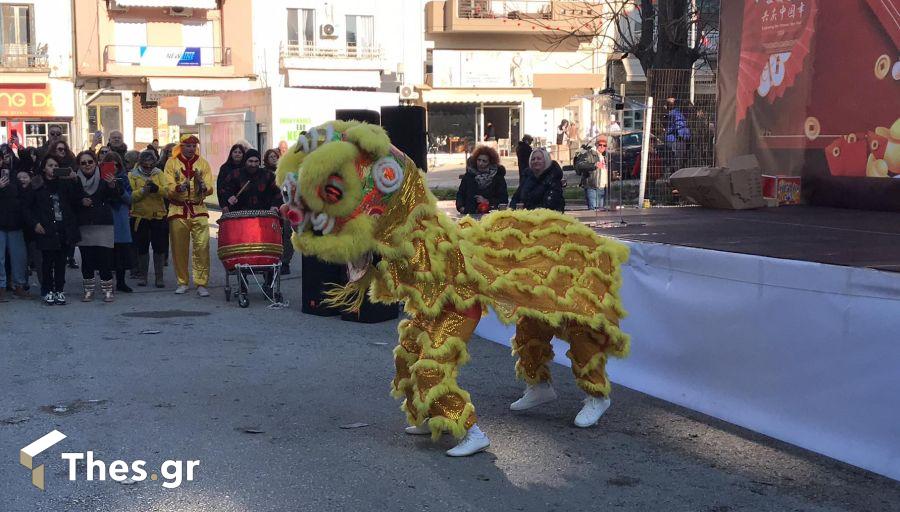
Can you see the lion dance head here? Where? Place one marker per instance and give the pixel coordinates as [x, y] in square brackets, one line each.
[344, 187]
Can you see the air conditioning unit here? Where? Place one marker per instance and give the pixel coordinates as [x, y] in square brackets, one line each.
[328, 31]
[407, 92]
[113, 6]
[181, 12]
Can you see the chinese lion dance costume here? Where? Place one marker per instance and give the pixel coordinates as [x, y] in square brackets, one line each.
[351, 197]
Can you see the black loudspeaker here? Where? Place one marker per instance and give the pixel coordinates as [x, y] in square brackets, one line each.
[355, 114]
[317, 277]
[405, 126]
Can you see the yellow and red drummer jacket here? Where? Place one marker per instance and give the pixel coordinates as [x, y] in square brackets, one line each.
[187, 204]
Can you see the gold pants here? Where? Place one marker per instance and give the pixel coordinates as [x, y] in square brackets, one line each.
[427, 361]
[587, 352]
[190, 235]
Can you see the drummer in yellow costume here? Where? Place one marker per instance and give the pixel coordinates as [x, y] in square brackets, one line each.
[189, 181]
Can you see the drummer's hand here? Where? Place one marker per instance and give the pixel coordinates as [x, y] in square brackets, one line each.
[274, 209]
[232, 200]
[182, 188]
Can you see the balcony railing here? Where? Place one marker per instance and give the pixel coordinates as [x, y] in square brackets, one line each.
[167, 56]
[24, 56]
[311, 51]
[511, 9]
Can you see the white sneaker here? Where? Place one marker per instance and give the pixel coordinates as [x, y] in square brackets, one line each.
[593, 408]
[534, 396]
[50, 298]
[202, 291]
[474, 442]
[181, 290]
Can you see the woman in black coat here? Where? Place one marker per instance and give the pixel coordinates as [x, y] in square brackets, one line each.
[542, 184]
[95, 222]
[483, 187]
[235, 162]
[51, 215]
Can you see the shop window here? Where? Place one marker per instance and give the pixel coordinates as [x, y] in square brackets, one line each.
[36, 133]
[360, 33]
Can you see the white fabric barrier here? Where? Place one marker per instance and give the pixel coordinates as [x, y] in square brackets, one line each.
[804, 352]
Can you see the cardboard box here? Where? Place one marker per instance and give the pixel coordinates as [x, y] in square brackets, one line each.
[784, 189]
[721, 187]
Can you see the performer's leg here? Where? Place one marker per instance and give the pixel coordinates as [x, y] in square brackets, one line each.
[200, 248]
[587, 353]
[435, 393]
[405, 355]
[532, 345]
[180, 240]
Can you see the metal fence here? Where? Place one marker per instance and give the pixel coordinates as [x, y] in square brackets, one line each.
[682, 128]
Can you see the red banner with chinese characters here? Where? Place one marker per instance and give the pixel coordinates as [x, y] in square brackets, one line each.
[813, 86]
[26, 100]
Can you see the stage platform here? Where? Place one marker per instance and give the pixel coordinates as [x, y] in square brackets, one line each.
[834, 236]
[782, 320]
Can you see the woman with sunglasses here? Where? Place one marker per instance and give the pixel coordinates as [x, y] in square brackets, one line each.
[95, 222]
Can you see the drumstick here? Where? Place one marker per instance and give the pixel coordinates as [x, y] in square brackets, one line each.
[242, 189]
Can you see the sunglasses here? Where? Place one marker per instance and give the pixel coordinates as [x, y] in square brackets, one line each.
[55, 134]
[86, 162]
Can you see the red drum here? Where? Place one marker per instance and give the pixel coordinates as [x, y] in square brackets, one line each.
[249, 237]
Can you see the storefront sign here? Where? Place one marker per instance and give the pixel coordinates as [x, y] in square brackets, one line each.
[165, 56]
[292, 126]
[503, 69]
[26, 100]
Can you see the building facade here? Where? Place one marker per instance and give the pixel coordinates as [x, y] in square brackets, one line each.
[497, 70]
[141, 65]
[36, 91]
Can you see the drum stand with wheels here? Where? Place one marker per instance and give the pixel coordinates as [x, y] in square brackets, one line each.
[266, 277]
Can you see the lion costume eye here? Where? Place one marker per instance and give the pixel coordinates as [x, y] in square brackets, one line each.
[387, 174]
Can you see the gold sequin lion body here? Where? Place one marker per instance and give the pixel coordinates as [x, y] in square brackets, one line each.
[353, 198]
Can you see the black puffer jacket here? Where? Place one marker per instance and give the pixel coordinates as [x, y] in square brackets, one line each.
[495, 193]
[544, 191]
[39, 210]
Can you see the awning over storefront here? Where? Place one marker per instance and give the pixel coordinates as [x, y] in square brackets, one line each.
[187, 4]
[351, 79]
[159, 87]
[476, 95]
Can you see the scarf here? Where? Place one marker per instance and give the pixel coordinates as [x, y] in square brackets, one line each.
[90, 184]
[484, 179]
[139, 172]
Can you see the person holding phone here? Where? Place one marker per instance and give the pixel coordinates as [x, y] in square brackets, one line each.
[12, 239]
[188, 182]
[148, 217]
[51, 216]
[95, 222]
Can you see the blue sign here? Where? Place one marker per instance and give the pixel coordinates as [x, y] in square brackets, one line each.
[190, 57]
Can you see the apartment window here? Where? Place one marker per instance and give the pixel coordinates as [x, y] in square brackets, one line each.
[15, 25]
[360, 32]
[301, 27]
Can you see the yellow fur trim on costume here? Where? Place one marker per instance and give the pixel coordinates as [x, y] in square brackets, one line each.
[332, 158]
[350, 297]
[371, 138]
[350, 244]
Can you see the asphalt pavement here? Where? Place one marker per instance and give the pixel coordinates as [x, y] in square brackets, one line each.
[287, 412]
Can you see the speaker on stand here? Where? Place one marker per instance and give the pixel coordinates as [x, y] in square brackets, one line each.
[316, 277]
[405, 125]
